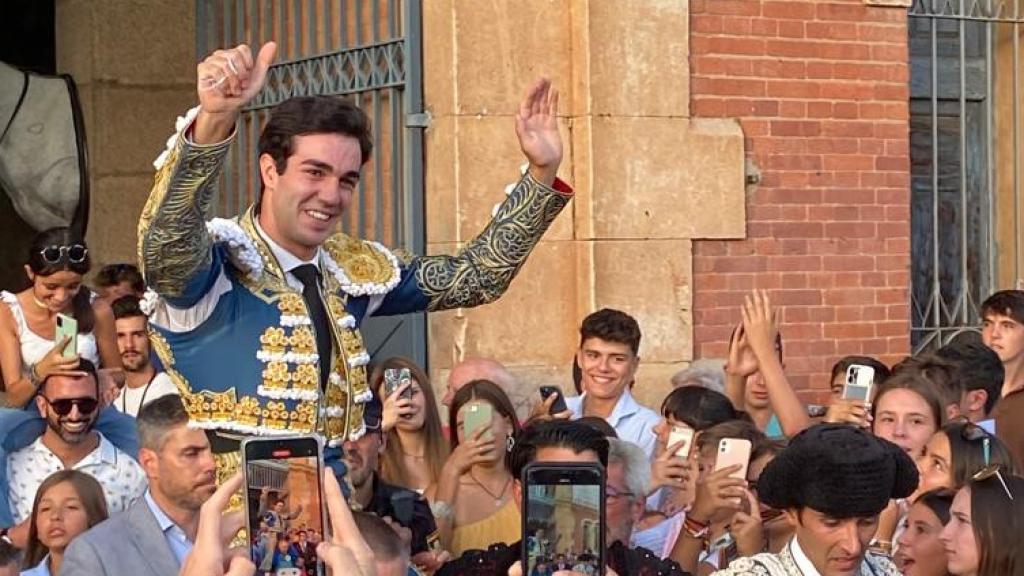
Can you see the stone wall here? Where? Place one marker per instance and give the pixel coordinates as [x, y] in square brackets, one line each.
[134, 62]
[821, 90]
[648, 178]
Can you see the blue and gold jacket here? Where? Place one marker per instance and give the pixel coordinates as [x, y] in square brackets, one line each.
[237, 339]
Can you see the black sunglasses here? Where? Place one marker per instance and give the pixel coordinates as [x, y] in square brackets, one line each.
[63, 406]
[75, 253]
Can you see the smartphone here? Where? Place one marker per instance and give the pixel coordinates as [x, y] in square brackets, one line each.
[478, 415]
[394, 378]
[67, 327]
[283, 490]
[559, 406]
[859, 381]
[564, 514]
[679, 434]
[733, 451]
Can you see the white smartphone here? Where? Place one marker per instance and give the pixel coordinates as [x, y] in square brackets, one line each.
[67, 327]
[733, 451]
[681, 434]
[860, 380]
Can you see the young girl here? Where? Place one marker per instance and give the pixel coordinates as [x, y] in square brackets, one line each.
[67, 503]
[986, 526]
[958, 451]
[415, 448]
[58, 261]
[921, 553]
[475, 485]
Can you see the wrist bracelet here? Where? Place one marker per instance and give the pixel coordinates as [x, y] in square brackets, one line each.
[441, 510]
[694, 529]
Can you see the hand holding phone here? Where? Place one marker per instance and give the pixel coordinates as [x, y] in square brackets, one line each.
[581, 533]
[394, 379]
[558, 406]
[860, 380]
[733, 451]
[478, 415]
[67, 328]
[680, 437]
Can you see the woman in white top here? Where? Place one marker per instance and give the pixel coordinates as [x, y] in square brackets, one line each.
[57, 264]
[67, 503]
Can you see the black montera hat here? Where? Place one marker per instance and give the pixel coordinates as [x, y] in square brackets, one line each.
[839, 470]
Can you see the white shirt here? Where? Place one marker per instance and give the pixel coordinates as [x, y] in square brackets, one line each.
[802, 561]
[132, 400]
[632, 421]
[120, 476]
[286, 260]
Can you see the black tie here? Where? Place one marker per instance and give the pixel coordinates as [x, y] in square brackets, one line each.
[310, 278]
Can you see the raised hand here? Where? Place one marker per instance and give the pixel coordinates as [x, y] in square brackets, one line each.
[742, 361]
[748, 528]
[849, 411]
[760, 323]
[475, 449]
[718, 492]
[396, 406]
[669, 469]
[537, 129]
[347, 551]
[211, 555]
[226, 81]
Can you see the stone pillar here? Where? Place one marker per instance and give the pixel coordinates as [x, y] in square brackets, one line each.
[134, 63]
[648, 179]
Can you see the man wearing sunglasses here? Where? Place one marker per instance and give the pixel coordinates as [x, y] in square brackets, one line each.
[69, 404]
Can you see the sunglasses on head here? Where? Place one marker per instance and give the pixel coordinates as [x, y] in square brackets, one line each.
[63, 406]
[971, 432]
[990, 471]
[75, 254]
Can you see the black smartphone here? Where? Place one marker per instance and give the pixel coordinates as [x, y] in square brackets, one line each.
[284, 494]
[559, 405]
[564, 516]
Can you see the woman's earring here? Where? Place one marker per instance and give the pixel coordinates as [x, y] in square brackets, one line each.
[510, 443]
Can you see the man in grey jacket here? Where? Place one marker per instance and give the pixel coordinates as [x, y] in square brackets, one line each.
[153, 536]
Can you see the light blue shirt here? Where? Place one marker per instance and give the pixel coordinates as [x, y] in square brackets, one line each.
[632, 421]
[176, 540]
[41, 569]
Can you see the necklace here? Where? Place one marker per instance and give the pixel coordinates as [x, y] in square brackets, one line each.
[415, 456]
[497, 497]
[39, 303]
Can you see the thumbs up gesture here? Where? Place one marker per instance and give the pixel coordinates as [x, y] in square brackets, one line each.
[227, 81]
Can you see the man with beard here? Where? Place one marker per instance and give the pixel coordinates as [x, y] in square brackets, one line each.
[371, 494]
[69, 404]
[157, 531]
[143, 382]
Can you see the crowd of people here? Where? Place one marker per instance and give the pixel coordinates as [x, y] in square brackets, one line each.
[119, 441]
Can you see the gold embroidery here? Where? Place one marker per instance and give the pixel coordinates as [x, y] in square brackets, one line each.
[484, 268]
[291, 304]
[275, 376]
[351, 342]
[302, 340]
[274, 339]
[206, 406]
[305, 377]
[173, 241]
[362, 261]
[247, 411]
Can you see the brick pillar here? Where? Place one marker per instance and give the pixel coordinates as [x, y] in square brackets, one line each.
[821, 91]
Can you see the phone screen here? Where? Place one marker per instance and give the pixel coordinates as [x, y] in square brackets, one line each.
[284, 497]
[854, 392]
[67, 327]
[563, 528]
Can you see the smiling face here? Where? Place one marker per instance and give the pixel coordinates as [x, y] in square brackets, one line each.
[302, 206]
[921, 553]
[607, 367]
[61, 516]
[903, 417]
[56, 290]
[835, 546]
[75, 426]
[958, 537]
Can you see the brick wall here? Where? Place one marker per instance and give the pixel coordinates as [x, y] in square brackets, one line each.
[820, 88]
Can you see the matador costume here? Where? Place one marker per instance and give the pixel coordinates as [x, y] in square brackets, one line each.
[238, 341]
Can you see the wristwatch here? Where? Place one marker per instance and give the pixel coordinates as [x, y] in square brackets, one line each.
[441, 510]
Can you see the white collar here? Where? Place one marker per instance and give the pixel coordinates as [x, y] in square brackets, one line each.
[285, 259]
[104, 451]
[802, 561]
[626, 405]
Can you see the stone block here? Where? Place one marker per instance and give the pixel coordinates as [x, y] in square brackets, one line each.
[133, 125]
[650, 280]
[503, 47]
[74, 33]
[114, 211]
[439, 63]
[654, 382]
[660, 177]
[533, 323]
[637, 57]
[155, 41]
[485, 159]
[529, 379]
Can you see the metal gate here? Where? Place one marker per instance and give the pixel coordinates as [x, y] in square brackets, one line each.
[366, 50]
[965, 149]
